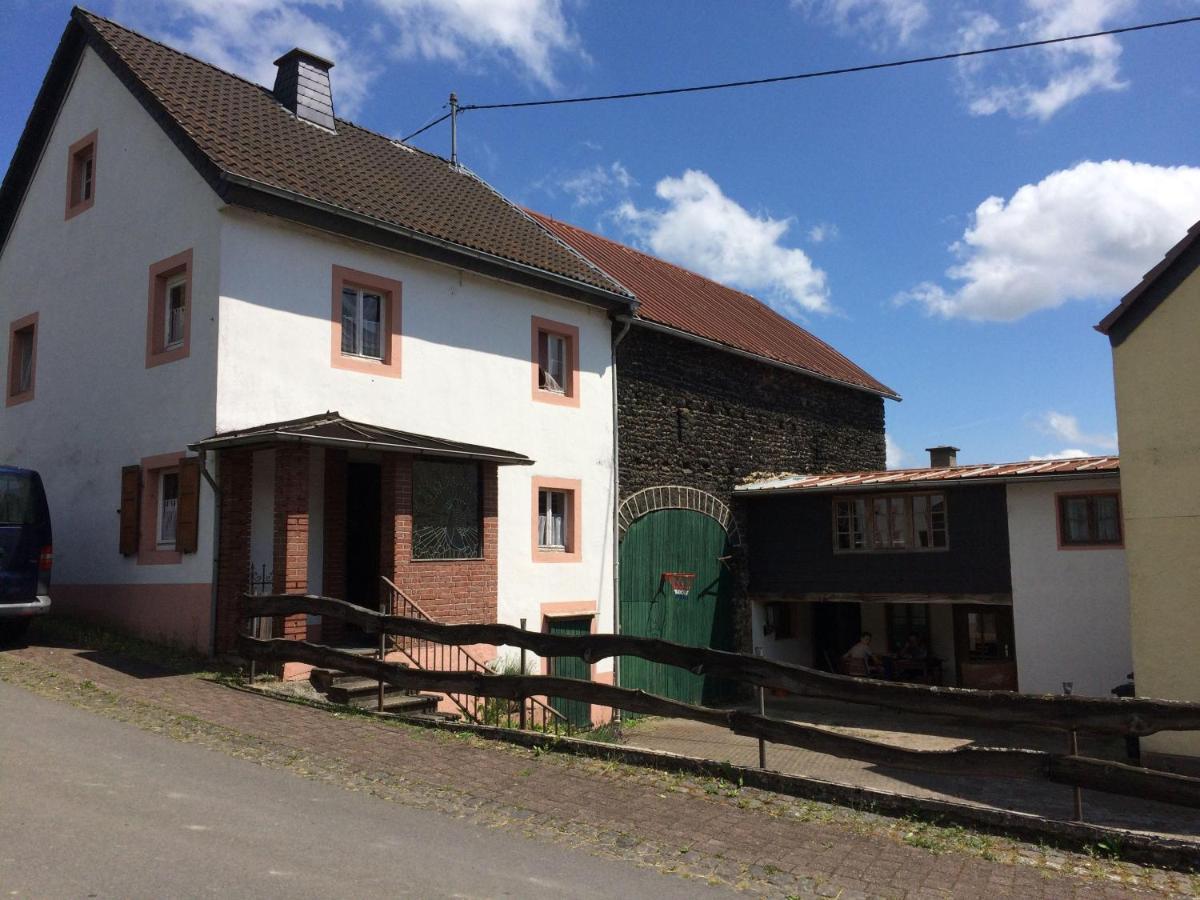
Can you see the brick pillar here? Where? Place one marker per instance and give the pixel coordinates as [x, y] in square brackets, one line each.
[335, 539]
[291, 532]
[235, 470]
[395, 527]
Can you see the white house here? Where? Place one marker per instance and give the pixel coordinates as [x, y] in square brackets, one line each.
[1010, 576]
[265, 339]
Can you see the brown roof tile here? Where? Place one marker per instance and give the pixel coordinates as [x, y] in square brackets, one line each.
[677, 298]
[241, 129]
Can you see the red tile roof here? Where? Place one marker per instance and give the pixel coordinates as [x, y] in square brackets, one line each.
[1055, 468]
[676, 298]
[236, 133]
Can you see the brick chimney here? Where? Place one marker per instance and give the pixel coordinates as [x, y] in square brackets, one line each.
[302, 85]
[943, 457]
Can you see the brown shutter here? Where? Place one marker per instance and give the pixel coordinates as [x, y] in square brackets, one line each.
[187, 512]
[131, 508]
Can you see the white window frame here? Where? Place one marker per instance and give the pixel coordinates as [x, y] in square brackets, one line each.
[163, 540]
[546, 519]
[555, 384]
[898, 516]
[360, 292]
[175, 281]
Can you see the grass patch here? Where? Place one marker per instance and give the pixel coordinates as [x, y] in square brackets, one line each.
[67, 631]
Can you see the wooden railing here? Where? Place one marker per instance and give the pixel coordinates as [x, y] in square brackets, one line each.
[1113, 716]
[428, 654]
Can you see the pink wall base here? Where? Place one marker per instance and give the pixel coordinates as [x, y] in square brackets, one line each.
[173, 613]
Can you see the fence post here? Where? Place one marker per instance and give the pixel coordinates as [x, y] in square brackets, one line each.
[522, 720]
[762, 711]
[383, 610]
[1073, 750]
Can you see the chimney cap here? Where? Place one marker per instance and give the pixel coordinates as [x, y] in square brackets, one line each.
[307, 56]
[942, 447]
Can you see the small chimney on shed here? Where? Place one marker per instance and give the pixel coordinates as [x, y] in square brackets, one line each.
[302, 85]
[943, 457]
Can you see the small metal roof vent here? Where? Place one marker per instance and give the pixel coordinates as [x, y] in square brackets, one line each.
[945, 457]
[302, 85]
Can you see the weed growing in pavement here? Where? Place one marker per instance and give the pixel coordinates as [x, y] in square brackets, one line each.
[66, 631]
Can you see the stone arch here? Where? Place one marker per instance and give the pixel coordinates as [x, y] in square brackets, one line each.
[676, 496]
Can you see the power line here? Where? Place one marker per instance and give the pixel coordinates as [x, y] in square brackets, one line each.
[818, 74]
[426, 127]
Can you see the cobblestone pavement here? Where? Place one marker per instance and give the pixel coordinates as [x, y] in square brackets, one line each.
[921, 733]
[711, 831]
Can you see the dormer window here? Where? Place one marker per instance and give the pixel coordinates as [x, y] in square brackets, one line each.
[81, 175]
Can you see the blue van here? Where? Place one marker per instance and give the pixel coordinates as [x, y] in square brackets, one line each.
[26, 550]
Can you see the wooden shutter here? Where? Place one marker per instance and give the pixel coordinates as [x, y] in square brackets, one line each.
[131, 508]
[187, 512]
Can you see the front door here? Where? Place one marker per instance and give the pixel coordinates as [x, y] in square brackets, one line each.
[577, 712]
[362, 540]
[984, 652]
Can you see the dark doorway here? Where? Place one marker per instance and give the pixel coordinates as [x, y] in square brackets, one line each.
[836, 628]
[362, 541]
[984, 647]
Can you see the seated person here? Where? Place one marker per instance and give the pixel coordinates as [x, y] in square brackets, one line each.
[914, 648]
[862, 651]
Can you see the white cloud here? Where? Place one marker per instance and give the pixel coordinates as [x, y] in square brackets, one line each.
[1066, 427]
[247, 36]
[701, 228]
[896, 457]
[531, 33]
[902, 18]
[1069, 453]
[1037, 84]
[1087, 232]
[597, 184]
[823, 231]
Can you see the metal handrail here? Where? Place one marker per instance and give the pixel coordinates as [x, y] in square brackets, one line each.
[452, 657]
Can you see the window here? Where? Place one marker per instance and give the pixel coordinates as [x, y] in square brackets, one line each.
[22, 359]
[556, 520]
[555, 362]
[904, 619]
[891, 522]
[81, 175]
[1089, 520]
[447, 519]
[366, 323]
[168, 312]
[168, 505]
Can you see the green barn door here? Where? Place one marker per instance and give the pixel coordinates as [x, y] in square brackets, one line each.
[676, 540]
[577, 712]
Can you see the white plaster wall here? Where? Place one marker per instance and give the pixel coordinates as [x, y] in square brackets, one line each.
[797, 649]
[96, 406]
[1070, 607]
[465, 376]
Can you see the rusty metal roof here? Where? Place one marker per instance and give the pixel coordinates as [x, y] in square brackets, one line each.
[1015, 471]
[331, 429]
[248, 145]
[682, 300]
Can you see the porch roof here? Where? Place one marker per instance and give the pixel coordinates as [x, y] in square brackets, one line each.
[331, 429]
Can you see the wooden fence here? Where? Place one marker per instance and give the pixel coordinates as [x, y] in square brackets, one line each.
[1133, 716]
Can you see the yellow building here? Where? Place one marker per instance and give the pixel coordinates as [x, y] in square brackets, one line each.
[1155, 337]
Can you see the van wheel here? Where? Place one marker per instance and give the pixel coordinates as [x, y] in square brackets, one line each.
[13, 631]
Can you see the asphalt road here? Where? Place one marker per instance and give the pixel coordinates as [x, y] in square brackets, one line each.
[90, 807]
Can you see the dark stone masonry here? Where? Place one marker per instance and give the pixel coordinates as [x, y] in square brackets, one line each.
[697, 416]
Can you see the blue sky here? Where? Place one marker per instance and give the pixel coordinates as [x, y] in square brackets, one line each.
[956, 229]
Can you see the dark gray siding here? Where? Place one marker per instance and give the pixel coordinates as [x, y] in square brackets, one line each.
[791, 549]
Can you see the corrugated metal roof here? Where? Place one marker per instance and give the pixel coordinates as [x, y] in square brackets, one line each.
[244, 131]
[1056, 468]
[677, 298]
[331, 429]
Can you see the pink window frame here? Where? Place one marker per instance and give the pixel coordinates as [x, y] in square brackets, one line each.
[161, 273]
[574, 490]
[389, 366]
[29, 321]
[73, 208]
[149, 553]
[570, 394]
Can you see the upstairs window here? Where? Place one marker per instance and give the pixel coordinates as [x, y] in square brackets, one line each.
[366, 323]
[168, 310]
[81, 175]
[891, 522]
[555, 349]
[1089, 520]
[22, 359]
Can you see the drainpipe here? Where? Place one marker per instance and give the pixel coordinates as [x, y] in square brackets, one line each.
[216, 553]
[626, 322]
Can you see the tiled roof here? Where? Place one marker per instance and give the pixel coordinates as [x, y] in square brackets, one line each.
[244, 131]
[1057, 468]
[677, 298]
